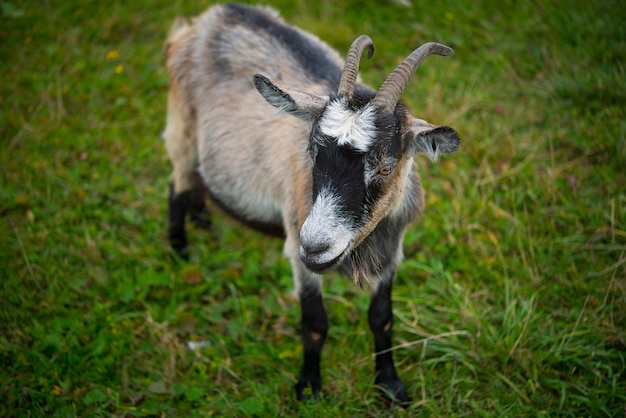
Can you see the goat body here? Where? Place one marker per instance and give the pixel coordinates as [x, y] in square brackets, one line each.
[331, 169]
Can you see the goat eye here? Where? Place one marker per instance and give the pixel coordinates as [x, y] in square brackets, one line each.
[385, 170]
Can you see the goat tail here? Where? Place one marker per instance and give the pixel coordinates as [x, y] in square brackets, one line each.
[179, 26]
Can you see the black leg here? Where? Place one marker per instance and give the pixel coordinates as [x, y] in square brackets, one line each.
[381, 323]
[198, 212]
[314, 327]
[178, 208]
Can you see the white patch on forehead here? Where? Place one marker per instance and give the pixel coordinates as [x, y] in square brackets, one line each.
[353, 128]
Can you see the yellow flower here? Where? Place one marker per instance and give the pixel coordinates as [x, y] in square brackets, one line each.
[56, 390]
[111, 55]
[119, 69]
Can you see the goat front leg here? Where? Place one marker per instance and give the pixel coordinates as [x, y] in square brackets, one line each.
[313, 323]
[314, 328]
[381, 323]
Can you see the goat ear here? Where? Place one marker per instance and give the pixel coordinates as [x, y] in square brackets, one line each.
[420, 137]
[294, 102]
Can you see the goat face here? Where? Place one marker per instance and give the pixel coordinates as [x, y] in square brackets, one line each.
[361, 151]
[356, 176]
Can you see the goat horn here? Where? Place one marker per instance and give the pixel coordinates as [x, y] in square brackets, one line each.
[389, 93]
[351, 67]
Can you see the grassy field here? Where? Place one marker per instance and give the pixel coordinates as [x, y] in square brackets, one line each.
[512, 298]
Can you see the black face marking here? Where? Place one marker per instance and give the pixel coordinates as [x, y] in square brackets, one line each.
[340, 170]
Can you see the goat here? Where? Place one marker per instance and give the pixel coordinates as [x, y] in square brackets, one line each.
[331, 169]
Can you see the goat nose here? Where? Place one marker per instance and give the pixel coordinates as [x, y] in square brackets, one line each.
[312, 255]
[312, 249]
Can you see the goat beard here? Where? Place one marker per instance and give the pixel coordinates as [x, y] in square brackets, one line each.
[361, 260]
[360, 277]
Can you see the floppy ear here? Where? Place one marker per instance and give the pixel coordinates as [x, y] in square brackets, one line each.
[420, 137]
[293, 102]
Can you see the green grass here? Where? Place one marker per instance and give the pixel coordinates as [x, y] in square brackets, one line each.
[511, 301]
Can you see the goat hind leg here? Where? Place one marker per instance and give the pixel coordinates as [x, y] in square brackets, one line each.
[182, 148]
[177, 212]
[199, 214]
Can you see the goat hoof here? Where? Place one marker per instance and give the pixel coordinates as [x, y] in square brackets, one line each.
[304, 391]
[201, 221]
[395, 392]
[184, 255]
[181, 250]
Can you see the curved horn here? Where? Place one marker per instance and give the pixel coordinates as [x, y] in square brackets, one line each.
[389, 93]
[351, 67]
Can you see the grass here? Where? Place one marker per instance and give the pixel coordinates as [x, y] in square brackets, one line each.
[511, 301]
